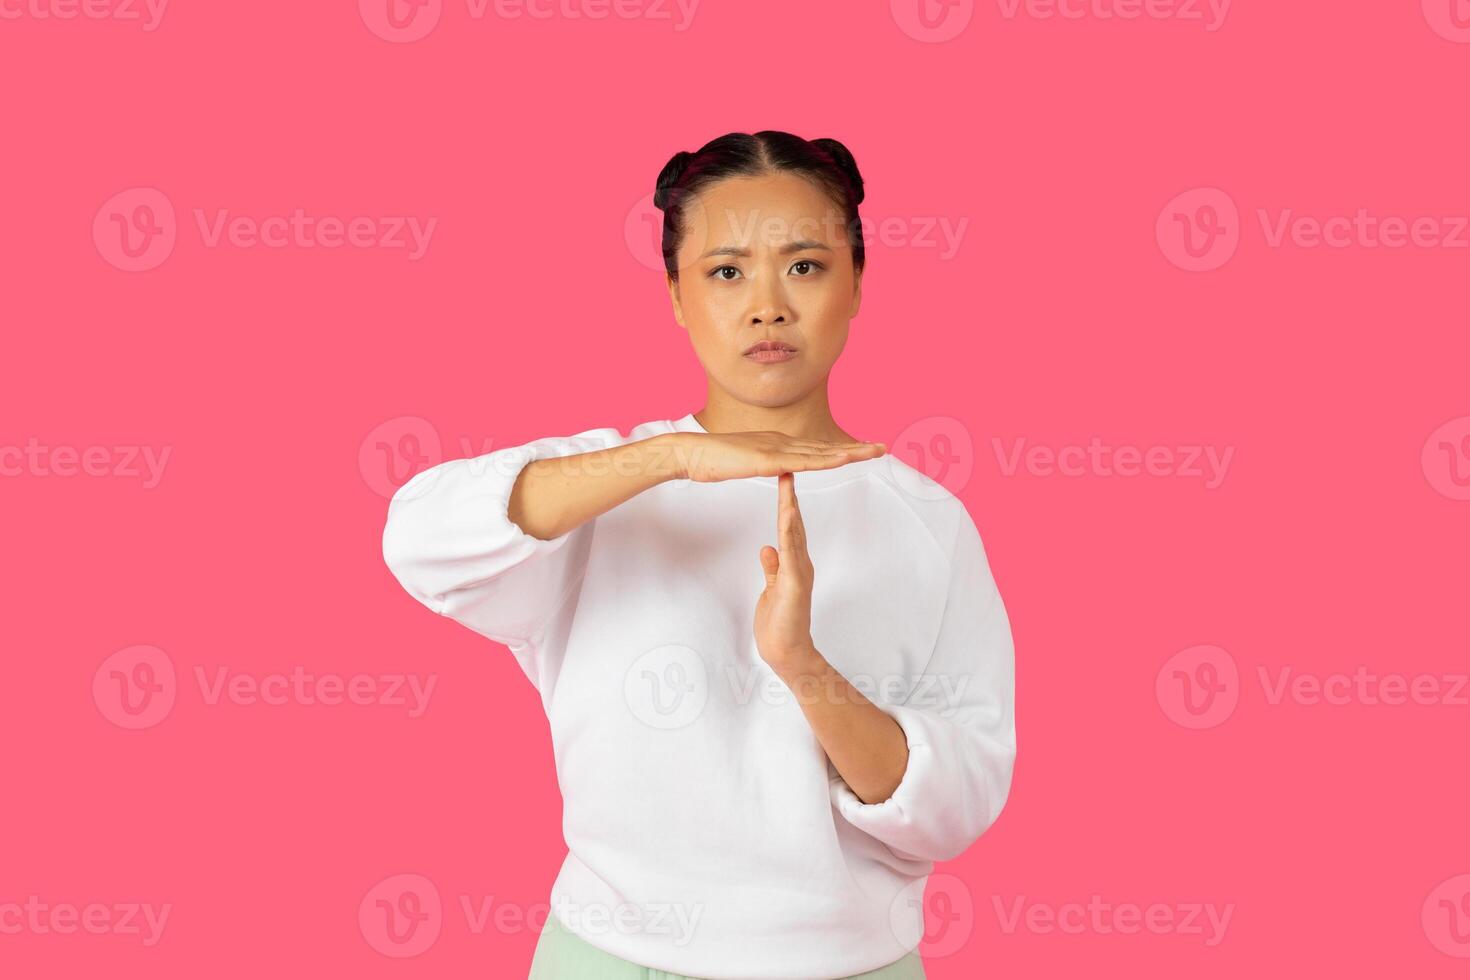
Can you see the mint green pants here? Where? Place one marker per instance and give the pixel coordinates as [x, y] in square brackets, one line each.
[562, 955]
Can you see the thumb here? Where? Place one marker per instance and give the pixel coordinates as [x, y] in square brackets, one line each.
[771, 563]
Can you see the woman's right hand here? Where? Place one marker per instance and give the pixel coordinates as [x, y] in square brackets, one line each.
[708, 457]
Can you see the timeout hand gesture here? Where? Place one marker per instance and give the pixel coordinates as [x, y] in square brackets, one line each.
[783, 613]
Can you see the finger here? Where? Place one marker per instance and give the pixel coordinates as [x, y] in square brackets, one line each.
[828, 443]
[793, 533]
[770, 564]
[821, 449]
[804, 443]
[818, 461]
[798, 523]
[784, 483]
[828, 447]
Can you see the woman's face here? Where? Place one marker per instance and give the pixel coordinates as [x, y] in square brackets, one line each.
[765, 258]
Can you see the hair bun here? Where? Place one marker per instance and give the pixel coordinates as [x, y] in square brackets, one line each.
[669, 177]
[842, 156]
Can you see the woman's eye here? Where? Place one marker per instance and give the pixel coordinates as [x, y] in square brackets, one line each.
[803, 269]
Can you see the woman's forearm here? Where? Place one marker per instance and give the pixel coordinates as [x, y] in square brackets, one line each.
[867, 747]
[555, 495]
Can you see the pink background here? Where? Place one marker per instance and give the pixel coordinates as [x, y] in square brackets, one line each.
[1075, 151]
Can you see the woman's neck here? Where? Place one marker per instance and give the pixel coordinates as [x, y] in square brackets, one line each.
[809, 419]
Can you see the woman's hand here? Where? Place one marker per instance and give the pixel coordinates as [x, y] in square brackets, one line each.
[783, 613]
[707, 457]
[866, 745]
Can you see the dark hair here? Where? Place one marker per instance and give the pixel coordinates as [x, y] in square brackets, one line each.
[824, 161]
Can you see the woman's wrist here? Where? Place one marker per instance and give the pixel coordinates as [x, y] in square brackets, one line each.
[668, 454]
[797, 666]
[652, 460]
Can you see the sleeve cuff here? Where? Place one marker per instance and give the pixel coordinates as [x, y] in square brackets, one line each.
[500, 535]
[945, 799]
[893, 820]
[449, 533]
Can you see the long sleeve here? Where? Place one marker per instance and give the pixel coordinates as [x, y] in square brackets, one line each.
[958, 720]
[449, 542]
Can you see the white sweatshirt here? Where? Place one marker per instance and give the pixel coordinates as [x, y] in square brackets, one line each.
[707, 832]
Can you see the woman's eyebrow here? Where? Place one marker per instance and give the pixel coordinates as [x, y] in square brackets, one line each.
[797, 246]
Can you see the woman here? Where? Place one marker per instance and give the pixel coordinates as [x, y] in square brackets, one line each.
[761, 750]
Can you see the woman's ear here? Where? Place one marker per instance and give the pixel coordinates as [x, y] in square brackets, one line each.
[673, 286]
[857, 295]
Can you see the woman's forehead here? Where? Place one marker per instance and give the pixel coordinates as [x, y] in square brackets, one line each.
[753, 217]
[785, 194]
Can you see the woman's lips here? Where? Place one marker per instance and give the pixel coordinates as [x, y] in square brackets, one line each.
[770, 356]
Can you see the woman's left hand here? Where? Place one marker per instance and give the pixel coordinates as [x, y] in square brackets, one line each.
[783, 613]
